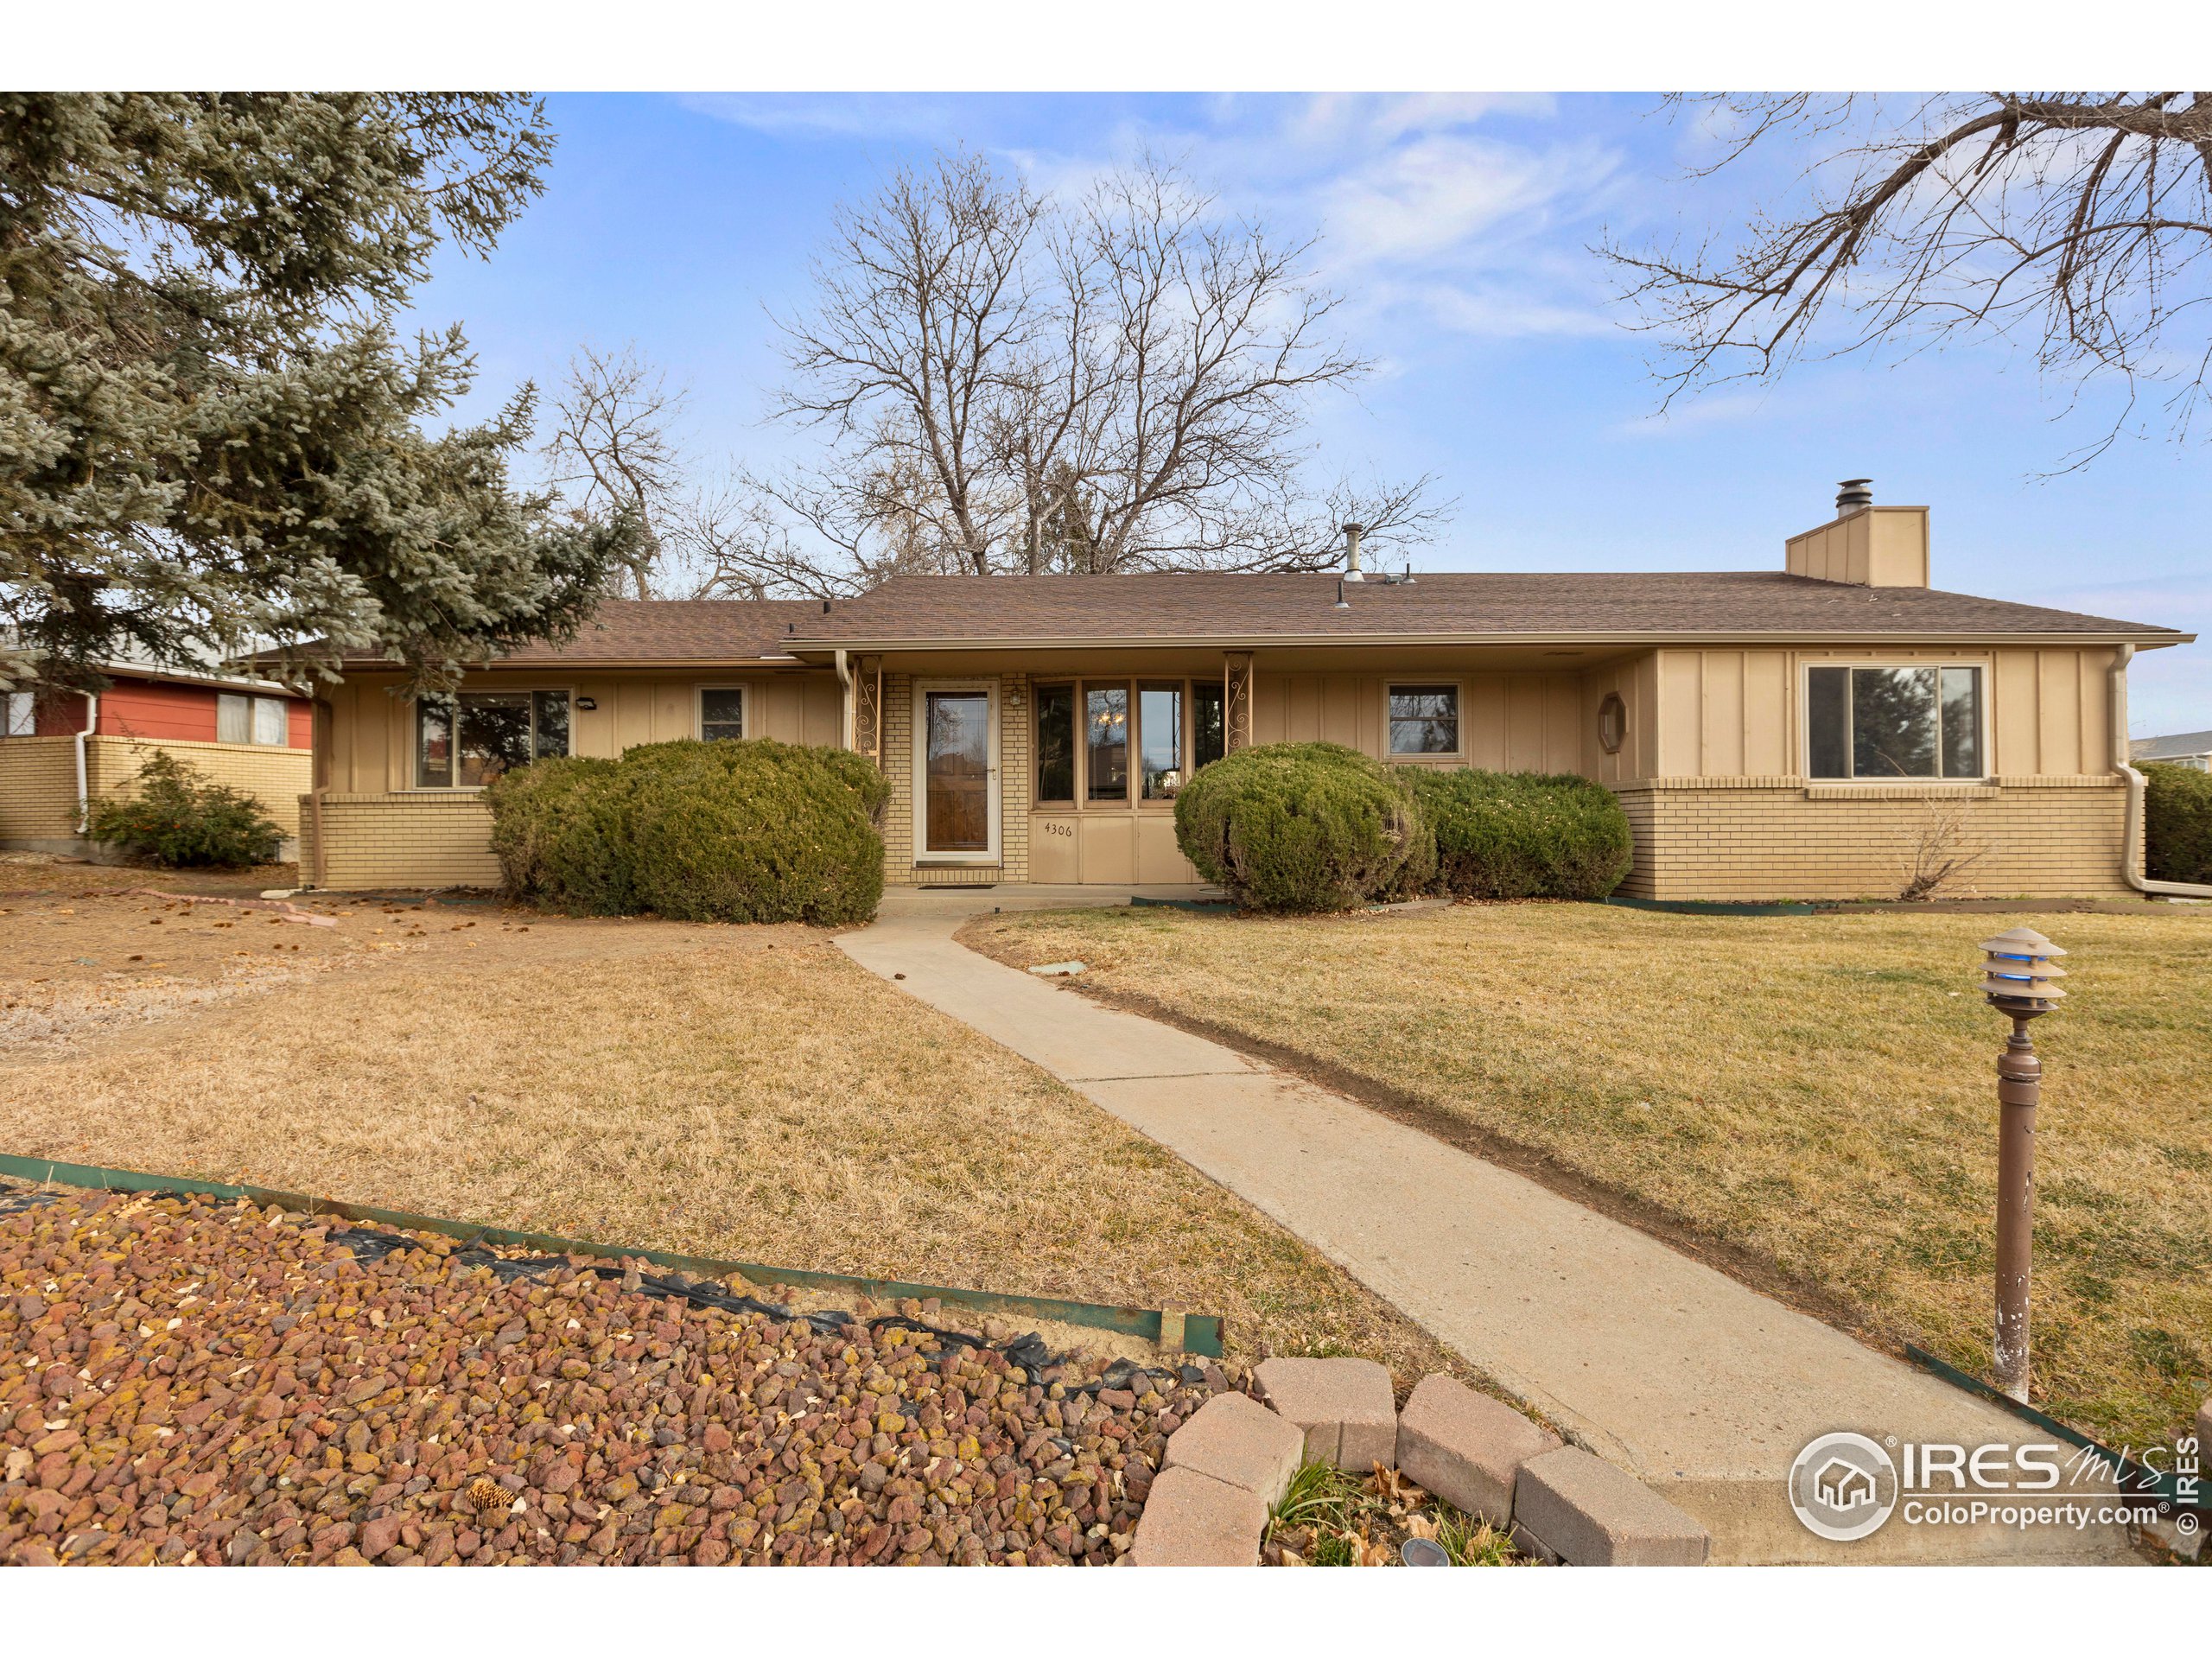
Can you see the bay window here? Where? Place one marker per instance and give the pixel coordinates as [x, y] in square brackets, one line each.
[1110, 744]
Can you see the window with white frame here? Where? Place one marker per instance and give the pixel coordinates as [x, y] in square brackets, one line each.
[23, 716]
[721, 712]
[1872, 723]
[1424, 720]
[465, 740]
[240, 719]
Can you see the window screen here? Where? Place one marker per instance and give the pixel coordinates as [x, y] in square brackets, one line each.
[1209, 723]
[1424, 720]
[23, 714]
[233, 719]
[1056, 743]
[721, 713]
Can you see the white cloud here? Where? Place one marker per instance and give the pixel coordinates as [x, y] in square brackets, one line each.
[829, 115]
[1426, 213]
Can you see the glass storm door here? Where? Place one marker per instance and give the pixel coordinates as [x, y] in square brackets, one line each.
[956, 773]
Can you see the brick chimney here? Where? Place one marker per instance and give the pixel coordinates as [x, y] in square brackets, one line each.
[1865, 545]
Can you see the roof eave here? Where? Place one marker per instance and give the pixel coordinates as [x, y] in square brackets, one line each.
[2152, 640]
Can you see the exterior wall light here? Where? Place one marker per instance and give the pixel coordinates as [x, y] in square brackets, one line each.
[2018, 968]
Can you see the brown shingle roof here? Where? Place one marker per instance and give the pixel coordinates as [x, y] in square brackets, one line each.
[673, 630]
[1229, 608]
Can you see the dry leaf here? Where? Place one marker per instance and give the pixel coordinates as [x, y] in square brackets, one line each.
[1366, 1553]
[1419, 1526]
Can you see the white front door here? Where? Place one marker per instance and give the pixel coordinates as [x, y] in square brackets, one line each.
[956, 771]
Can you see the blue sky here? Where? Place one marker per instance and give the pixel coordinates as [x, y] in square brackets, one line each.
[1457, 228]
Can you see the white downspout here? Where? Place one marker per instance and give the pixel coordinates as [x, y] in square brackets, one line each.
[83, 783]
[2133, 876]
[845, 679]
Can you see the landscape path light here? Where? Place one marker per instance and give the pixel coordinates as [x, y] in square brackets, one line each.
[2018, 968]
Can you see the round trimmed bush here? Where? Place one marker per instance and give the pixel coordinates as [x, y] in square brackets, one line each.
[561, 830]
[1523, 835]
[752, 831]
[2176, 823]
[1303, 826]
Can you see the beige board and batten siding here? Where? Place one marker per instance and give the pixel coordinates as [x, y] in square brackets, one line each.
[1722, 808]
[379, 829]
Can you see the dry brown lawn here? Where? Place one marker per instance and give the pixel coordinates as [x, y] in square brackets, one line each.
[1813, 1097]
[739, 1092]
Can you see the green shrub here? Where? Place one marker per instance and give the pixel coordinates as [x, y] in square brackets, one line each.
[1303, 826]
[2176, 823]
[1523, 835]
[730, 831]
[561, 830]
[174, 813]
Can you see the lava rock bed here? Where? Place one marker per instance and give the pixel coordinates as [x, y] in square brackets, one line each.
[186, 1380]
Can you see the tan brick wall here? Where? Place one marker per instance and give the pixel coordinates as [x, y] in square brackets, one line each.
[427, 838]
[1014, 722]
[272, 776]
[1777, 838]
[38, 778]
[38, 788]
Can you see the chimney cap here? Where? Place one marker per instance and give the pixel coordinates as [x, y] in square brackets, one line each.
[1854, 493]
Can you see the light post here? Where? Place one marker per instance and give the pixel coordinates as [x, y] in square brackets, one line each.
[2017, 969]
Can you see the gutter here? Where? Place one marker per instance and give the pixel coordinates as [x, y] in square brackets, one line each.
[2133, 876]
[84, 786]
[845, 679]
[1278, 641]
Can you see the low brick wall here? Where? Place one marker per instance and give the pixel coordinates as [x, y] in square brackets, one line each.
[38, 789]
[272, 776]
[1761, 839]
[408, 838]
[38, 779]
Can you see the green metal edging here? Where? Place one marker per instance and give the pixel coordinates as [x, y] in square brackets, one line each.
[2150, 1481]
[1707, 906]
[1201, 1331]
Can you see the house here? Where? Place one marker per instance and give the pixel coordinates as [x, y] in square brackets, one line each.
[1772, 735]
[1844, 1486]
[60, 750]
[2191, 749]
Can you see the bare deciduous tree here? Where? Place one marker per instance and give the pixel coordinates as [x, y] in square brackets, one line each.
[2076, 223]
[612, 449]
[1121, 384]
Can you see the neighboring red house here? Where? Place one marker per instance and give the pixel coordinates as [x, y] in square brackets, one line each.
[252, 735]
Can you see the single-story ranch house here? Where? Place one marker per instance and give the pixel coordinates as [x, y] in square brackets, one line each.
[1771, 735]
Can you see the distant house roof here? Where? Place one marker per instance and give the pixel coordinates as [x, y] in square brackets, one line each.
[2180, 746]
[1444, 605]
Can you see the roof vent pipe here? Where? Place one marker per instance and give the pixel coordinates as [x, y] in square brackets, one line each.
[1352, 572]
[1853, 495]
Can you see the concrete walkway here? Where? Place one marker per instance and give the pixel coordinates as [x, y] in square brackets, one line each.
[1702, 1387]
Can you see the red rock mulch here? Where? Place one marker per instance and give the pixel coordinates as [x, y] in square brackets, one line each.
[189, 1381]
